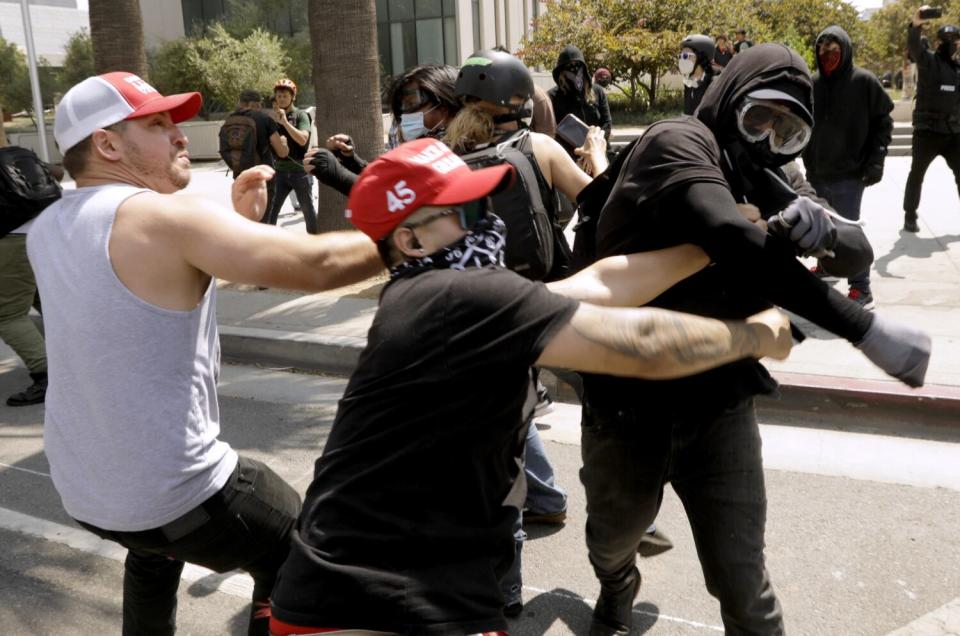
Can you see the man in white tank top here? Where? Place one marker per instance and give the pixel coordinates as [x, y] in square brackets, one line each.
[126, 269]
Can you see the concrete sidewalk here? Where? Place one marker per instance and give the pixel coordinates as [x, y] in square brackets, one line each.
[916, 279]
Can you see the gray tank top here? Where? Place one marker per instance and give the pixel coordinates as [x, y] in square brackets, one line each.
[132, 418]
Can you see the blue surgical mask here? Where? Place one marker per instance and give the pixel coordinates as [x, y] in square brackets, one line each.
[412, 126]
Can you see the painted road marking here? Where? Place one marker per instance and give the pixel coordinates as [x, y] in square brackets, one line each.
[944, 621]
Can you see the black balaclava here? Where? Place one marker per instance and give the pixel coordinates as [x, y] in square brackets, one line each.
[947, 49]
[569, 54]
[766, 66]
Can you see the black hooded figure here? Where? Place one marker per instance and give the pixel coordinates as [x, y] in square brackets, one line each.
[851, 132]
[575, 93]
[680, 183]
[936, 116]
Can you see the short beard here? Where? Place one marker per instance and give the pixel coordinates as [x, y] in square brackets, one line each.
[171, 174]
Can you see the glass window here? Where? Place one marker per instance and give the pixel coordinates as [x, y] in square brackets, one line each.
[403, 46]
[430, 41]
[450, 7]
[401, 10]
[450, 49]
[383, 46]
[382, 14]
[429, 9]
[476, 27]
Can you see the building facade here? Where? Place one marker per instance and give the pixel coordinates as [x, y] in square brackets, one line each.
[54, 21]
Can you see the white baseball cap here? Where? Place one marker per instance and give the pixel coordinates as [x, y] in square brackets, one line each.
[106, 99]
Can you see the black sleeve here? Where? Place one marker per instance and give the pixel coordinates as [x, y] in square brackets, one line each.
[764, 263]
[332, 173]
[603, 105]
[915, 47]
[499, 317]
[354, 163]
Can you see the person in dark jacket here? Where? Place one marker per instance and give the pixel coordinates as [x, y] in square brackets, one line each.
[696, 69]
[681, 182]
[851, 132]
[575, 93]
[936, 116]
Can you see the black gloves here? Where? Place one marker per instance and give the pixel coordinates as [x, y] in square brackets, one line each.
[873, 173]
[807, 224]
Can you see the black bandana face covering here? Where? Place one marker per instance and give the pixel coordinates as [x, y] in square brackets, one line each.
[481, 247]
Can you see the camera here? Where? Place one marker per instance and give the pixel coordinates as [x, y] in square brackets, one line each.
[931, 13]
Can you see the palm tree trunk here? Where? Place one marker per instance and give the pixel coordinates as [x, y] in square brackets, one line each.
[346, 76]
[116, 30]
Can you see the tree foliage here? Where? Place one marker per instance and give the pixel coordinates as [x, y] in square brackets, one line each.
[885, 33]
[14, 78]
[638, 40]
[78, 59]
[219, 65]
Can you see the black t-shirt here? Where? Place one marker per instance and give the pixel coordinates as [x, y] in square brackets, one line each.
[407, 525]
[266, 126]
[722, 57]
[743, 45]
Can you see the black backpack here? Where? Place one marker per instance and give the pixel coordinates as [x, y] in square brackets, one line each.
[536, 248]
[590, 204]
[238, 143]
[26, 187]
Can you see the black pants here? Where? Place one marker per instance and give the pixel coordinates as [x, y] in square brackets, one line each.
[247, 525]
[926, 146]
[714, 463]
[302, 184]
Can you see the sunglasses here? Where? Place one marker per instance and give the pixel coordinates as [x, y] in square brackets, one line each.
[469, 214]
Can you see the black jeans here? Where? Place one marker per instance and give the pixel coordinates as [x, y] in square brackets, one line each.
[302, 184]
[714, 463]
[926, 146]
[247, 525]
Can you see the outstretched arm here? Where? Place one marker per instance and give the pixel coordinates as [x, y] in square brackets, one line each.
[634, 279]
[658, 344]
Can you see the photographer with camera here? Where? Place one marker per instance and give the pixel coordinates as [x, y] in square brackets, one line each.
[936, 117]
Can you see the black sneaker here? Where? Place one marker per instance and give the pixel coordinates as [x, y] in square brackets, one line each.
[910, 225]
[36, 393]
[545, 518]
[862, 298]
[513, 610]
[613, 614]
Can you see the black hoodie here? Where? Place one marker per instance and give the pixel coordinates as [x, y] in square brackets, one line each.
[673, 189]
[851, 110]
[566, 102]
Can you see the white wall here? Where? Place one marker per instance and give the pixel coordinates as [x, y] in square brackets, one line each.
[162, 21]
[52, 27]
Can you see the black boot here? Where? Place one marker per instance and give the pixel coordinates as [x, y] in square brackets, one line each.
[613, 614]
[910, 222]
[33, 394]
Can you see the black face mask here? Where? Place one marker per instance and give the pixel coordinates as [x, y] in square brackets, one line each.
[947, 49]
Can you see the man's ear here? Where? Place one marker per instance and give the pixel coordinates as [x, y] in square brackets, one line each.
[406, 242]
[105, 145]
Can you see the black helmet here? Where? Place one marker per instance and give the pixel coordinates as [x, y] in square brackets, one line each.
[704, 47]
[494, 77]
[948, 31]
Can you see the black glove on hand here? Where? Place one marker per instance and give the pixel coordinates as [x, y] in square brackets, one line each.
[873, 174]
[807, 224]
[902, 351]
[329, 171]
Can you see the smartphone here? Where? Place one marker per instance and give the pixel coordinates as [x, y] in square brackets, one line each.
[572, 130]
[931, 13]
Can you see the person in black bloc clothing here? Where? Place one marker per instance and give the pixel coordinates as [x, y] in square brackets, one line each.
[408, 522]
[936, 116]
[681, 182]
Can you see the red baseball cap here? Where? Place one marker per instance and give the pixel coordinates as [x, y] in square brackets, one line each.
[414, 175]
[106, 99]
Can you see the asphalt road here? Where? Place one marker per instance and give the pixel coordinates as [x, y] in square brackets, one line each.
[848, 555]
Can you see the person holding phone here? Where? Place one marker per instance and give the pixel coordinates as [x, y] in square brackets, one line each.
[936, 116]
[576, 93]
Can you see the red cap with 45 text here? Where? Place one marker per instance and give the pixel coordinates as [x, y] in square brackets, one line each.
[416, 174]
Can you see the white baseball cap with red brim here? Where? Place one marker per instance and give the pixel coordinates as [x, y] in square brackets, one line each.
[106, 99]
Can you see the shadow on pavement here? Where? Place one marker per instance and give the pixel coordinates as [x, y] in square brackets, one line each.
[909, 244]
[561, 610]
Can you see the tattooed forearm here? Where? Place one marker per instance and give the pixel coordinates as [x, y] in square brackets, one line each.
[672, 343]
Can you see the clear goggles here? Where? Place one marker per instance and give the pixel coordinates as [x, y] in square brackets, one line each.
[687, 55]
[786, 132]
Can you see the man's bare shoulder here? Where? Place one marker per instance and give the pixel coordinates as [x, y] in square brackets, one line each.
[173, 212]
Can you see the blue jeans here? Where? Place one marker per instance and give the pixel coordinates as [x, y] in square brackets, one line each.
[845, 196]
[247, 525]
[543, 496]
[302, 184]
